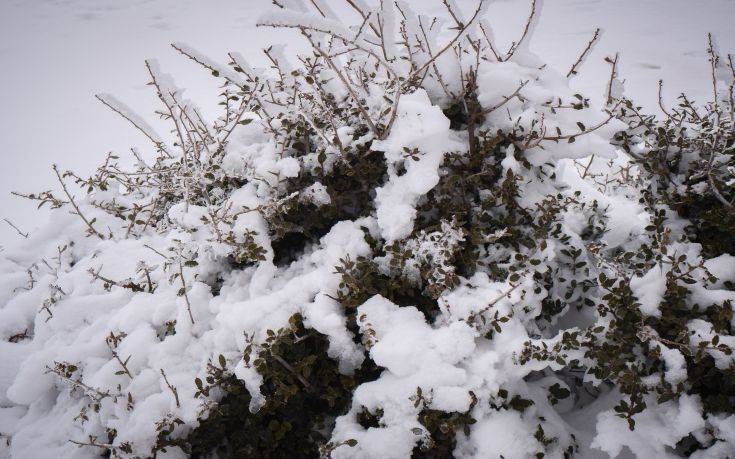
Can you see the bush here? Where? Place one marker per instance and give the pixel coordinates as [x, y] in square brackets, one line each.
[403, 246]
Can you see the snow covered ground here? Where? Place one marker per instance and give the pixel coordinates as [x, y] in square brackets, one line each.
[56, 54]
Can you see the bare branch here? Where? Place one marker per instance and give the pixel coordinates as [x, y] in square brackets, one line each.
[451, 42]
[25, 235]
[183, 291]
[515, 45]
[171, 388]
[613, 75]
[573, 70]
[115, 106]
[506, 99]
[92, 230]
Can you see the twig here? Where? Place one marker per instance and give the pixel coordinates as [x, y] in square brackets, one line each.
[171, 388]
[123, 364]
[156, 251]
[587, 168]
[573, 70]
[287, 366]
[93, 442]
[587, 131]
[74, 204]
[714, 59]
[158, 143]
[493, 302]
[452, 41]
[711, 180]
[95, 394]
[514, 46]
[506, 98]
[490, 43]
[183, 290]
[613, 75]
[25, 235]
[346, 84]
[661, 99]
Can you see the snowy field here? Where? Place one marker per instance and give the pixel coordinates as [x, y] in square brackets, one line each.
[56, 54]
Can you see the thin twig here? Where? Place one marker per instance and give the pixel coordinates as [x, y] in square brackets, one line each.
[613, 75]
[514, 46]
[287, 366]
[714, 60]
[123, 364]
[25, 235]
[661, 99]
[183, 289]
[158, 143]
[171, 388]
[451, 42]
[74, 204]
[506, 99]
[573, 70]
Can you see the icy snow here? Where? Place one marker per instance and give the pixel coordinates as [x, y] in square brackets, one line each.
[649, 289]
[419, 125]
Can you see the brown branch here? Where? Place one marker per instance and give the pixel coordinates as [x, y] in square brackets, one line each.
[661, 99]
[514, 46]
[506, 98]
[158, 143]
[585, 132]
[451, 42]
[346, 84]
[714, 59]
[573, 70]
[183, 289]
[74, 204]
[123, 364]
[613, 75]
[493, 302]
[25, 235]
[490, 43]
[287, 366]
[171, 388]
[587, 167]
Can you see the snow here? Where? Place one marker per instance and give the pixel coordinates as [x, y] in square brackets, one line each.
[422, 126]
[446, 358]
[664, 425]
[650, 289]
[316, 194]
[414, 355]
[79, 328]
[676, 370]
[504, 434]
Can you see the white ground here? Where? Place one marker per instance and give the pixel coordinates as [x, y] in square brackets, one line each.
[56, 54]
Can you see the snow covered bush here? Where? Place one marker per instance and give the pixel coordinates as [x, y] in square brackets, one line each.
[407, 242]
[689, 154]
